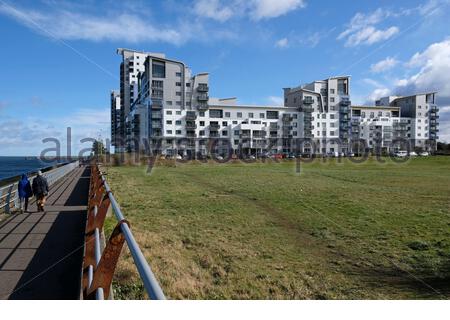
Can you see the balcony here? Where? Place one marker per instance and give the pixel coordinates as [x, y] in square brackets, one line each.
[434, 136]
[214, 126]
[345, 101]
[344, 110]
[157, 104]
[156, 125]
[191, 125]
[287, 118]
[355, 129]
[434, 108]
[202, 87]
[308, 100]
[191, 115]
[202, 97]
[307, 109]
[190, 134]
[156, 115]
[202, 107]
[434, 116]
[434, 129]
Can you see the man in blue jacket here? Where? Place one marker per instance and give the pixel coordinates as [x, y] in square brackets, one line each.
[40, 190]
[25, 192]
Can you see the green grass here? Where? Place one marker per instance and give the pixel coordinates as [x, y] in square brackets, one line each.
[261, 231]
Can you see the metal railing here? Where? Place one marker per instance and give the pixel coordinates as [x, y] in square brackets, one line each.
[98, 266]
[9, 197]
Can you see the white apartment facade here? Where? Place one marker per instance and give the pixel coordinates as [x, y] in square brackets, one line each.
[162, 104]
[420, 113]
[324, 108]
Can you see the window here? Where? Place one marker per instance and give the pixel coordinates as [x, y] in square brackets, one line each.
[239, 114]
[178, 103]
[169, 112]
[380, 113]
[250, 114]
[295, 100]
[272, 114]
[178, 132]
[294, 116]
[169, 103]
[178, 74]
[201, 113]
[331, 133]
[331, 116]
[235, 122]
[202, 123]
[178, 84]
[169, 121]
[178, 112]
[224, 123]
[236, 141]
[188, 85]
[169, 131]
[158, 69]
[331, 91]
[215, 113]
[324, 115]
[331, 99]
[178, 93]
[294, 133]
[178, 122]
[332, 125]
[227, 115]
[261, 115]
[236, 132]
[201, 132]
[224, 132]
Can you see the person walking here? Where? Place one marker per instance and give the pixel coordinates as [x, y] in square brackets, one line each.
[25, 192]
[40, 190]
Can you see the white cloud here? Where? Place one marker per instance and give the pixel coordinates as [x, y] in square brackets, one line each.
[222, 11]
[275, 100]
[265, 9]
[362, 30]
[213, 9]
[377, 94]
[433, 65]
[430, 71]
[25, 136]
[384, 65]
[63, 24]
[282, 43]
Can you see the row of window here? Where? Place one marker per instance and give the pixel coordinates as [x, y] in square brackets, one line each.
[224, 133]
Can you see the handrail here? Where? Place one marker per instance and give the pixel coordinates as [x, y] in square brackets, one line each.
[99, 267]
[9, 199]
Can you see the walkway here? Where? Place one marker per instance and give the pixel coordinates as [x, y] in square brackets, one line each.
[41, 253]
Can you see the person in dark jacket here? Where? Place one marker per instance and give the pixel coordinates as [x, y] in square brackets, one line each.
[25, 192]
[40, 190]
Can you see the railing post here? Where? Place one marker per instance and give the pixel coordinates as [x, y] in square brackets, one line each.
[104, 271]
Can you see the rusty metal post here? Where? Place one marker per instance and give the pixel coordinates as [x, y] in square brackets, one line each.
[104, 272]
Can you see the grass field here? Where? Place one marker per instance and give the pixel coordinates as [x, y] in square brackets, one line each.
[261, 231]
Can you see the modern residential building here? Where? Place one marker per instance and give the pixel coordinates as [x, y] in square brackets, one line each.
[132, 64]
[164, 106]
[377, 126]
[420, 112]
[324, 108]
[115, 116]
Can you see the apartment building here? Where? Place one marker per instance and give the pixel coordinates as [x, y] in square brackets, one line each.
[163, 105]
[378, 127]
[131, 66]
[419, 112]
[115, 116]
[324, 110]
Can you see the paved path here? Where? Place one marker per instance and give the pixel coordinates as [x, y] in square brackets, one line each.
[41, 252]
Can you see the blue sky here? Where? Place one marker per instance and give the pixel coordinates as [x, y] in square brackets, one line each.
[59, 61]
